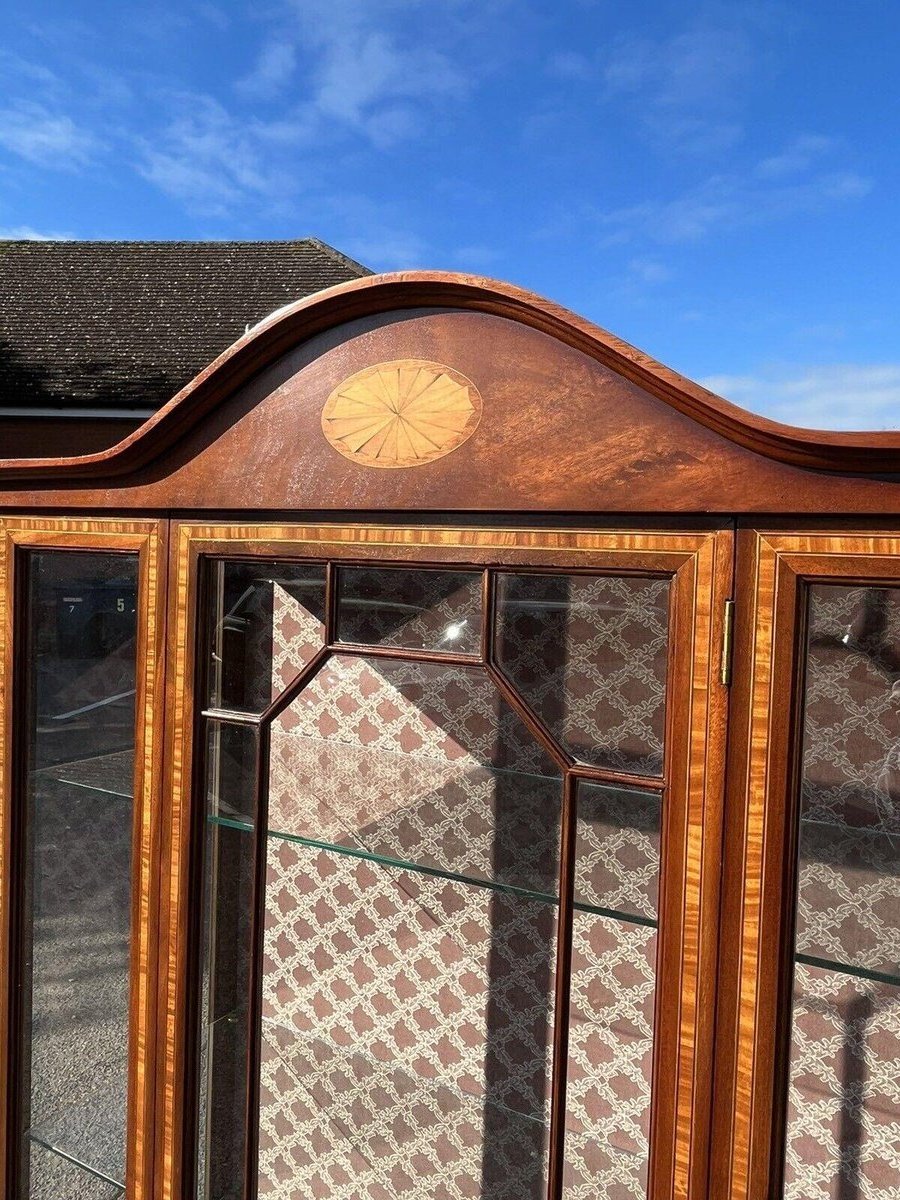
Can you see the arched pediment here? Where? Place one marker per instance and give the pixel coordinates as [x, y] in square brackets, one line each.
[509, 402]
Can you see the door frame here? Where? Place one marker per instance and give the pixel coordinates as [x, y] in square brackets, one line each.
[147, 539]
[700, 564]
[773, 570]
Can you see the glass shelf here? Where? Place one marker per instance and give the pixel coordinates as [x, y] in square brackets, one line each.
[109, 774]
[827, 964]
[36, 1138]
[435, 872]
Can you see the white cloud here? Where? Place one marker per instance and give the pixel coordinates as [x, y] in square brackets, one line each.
[688, 69]
[840, 396]
[272, 72]
[25, 233]
[797, 156]
[738, 199]
[649, 270]
[384, 249]
[684, 90]
[209, 159]
[48, 139]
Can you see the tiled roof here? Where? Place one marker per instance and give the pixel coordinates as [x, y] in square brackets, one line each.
[122, 325]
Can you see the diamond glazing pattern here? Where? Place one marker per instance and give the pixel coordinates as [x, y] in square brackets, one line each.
[407, 1023]
[843, 1133]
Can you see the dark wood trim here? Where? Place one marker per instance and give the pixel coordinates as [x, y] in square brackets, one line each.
[562, 988]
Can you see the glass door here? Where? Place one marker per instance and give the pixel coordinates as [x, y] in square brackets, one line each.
[455, 827]
[816, 1067]
[77, 871]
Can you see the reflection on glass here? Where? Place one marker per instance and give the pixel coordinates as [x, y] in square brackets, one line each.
[588, 655]
[613, 993]
[843, 1125]
[418, 609]
[267, 622]
[408, 990]
[80, 624]
[51, 1177]
[225, 983]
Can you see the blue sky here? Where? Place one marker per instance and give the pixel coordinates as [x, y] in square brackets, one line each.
[717, 183]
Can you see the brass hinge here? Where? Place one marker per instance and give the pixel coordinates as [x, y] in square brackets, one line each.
[727, 642]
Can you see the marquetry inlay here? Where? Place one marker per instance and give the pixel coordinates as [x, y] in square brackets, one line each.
[401, 414]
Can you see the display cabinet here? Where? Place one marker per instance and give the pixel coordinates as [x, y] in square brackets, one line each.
[448, 756]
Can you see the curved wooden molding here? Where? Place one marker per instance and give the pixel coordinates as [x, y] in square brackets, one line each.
[867, 453]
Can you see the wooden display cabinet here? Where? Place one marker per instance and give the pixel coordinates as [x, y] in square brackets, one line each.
[448, 755]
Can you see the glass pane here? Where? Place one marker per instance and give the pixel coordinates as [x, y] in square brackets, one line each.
[588, 655]
[267, 622]
[408, 993]
[421, 610]
[613, 994]
[81, 625]
[843, 1126]
[225, 983]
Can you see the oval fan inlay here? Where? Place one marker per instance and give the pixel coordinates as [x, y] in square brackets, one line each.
[401, 414]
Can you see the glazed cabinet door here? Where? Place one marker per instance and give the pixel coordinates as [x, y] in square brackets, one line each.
[808, 1094]
[81, 701]
[444, 863]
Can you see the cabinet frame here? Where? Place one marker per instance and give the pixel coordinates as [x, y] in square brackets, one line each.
[700, 564]
[147, 539]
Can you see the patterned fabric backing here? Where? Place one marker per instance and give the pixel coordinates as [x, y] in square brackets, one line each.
[433, 610]
[402, 759]
[407, 1032]
[844, 1133]
[844, 1104]
[610, 1059]
[589, 656]
[617, 849]
[81, 906]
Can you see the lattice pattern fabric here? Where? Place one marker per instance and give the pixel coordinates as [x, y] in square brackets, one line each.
[434, 610]
[589, 656]
[617, 849]
[610, 1059]
[844, 1105]
[843, 1131]
[412, 708]
[408, 1027]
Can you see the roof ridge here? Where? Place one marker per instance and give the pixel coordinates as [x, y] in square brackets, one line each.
[339, 256]
[330, 251]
